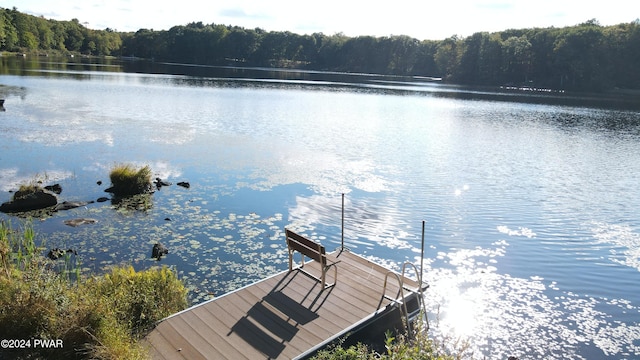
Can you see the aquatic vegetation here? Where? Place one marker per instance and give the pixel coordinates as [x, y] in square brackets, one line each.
[126, 179]
[132, 203]
[17, 251]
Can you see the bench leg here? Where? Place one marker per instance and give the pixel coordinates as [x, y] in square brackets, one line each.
[324, 276]
[291, 260]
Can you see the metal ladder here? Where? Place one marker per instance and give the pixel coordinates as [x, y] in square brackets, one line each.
[401, 289]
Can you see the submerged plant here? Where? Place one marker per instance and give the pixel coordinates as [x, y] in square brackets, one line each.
[137, 202]
[126, 179]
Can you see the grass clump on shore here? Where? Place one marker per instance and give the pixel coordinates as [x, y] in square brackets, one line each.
[97, 317]
[418, 347]
[126, 179]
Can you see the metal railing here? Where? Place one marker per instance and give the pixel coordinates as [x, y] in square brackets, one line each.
[420, 288]
[395, 300]
[400, 294]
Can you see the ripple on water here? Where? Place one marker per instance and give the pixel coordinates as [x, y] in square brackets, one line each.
[623, 241]
[499, 316]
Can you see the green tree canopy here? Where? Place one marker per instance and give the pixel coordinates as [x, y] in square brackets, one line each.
[586, 57]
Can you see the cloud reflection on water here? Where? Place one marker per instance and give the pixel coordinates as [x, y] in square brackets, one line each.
[368, 223]
[11, 178]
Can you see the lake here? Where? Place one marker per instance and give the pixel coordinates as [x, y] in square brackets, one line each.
[530, 198]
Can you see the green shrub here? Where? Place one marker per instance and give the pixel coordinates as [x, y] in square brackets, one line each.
[356, 352]
[127, 180]
[139, 299]
[419, 347]
[100, 317]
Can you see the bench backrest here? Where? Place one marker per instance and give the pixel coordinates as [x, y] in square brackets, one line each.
[306, 247]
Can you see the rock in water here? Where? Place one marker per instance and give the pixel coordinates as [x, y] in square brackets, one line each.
[158, 250]
[55, 254]
[56, 188]
[184, 184]
[36, 200]
[67, 205]
[80, 221]
[160, 183]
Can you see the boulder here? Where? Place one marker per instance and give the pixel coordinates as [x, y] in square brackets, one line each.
[55, 188]
[158, 250]
[36, 200]
[159, 183]
[184, 184]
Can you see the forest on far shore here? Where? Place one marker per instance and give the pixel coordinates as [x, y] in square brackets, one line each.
[584, 57]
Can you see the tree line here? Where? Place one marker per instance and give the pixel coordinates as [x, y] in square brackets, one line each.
[585, 57]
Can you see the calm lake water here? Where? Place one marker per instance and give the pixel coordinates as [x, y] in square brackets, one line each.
[530, 198]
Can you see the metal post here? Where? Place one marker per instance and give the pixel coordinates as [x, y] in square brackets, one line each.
[342, 239]
[422, 255]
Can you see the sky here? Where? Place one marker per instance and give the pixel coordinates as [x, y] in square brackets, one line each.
[421, 19]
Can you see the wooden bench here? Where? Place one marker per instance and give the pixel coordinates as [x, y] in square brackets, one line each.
[314, 251]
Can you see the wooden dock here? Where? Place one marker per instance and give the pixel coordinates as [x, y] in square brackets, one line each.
[281, 317]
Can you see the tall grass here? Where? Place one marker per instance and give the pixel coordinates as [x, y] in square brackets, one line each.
[126, 179]
[96, 317]
[18, 248]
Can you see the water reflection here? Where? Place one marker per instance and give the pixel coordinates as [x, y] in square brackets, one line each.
[12, 178]
[502, 315]
[622, 240]
[229, 76]
[530, 208]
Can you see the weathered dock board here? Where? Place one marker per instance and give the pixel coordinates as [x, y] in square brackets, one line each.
[280, 317]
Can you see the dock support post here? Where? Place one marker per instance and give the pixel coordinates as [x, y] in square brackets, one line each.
[422, 255]
[342, 234]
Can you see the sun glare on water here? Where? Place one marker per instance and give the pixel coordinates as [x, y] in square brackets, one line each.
[462, 313]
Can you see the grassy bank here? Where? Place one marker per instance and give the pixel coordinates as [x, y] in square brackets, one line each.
[419, 347]
[93, 317]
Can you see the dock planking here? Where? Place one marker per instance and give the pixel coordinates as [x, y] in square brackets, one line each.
[280, 317]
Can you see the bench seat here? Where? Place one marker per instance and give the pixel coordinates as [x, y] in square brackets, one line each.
[313, 250]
